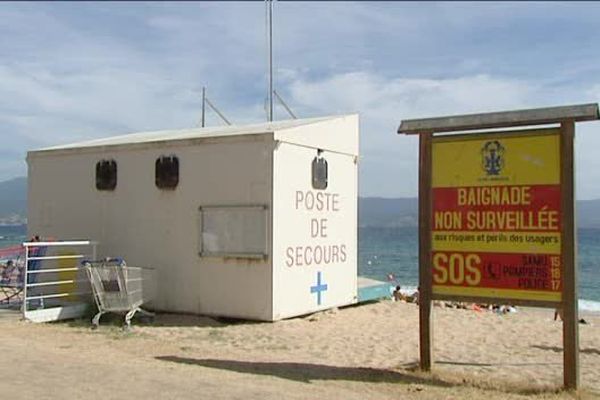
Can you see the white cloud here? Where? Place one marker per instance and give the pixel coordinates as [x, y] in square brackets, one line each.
[76, 71]
[389, 161]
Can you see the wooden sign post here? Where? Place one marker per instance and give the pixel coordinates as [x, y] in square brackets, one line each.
[496, 215]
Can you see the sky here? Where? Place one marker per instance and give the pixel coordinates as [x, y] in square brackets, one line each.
[77, 71]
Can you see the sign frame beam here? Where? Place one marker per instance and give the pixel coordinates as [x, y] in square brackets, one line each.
[503, 119]
[565, 116]
[425, 274]
[568, 250]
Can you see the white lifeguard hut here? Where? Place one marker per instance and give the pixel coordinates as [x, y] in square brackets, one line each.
[256, 222]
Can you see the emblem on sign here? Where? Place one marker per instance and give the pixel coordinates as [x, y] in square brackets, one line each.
[492, 157]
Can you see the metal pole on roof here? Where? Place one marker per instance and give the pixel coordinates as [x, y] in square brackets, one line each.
[203, 105]
[217, 111]
[206, 101]
[270, 5]
[283, 103]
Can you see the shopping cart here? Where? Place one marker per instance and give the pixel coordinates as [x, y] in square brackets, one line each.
[117, 288]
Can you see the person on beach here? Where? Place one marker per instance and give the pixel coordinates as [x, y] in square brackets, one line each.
[558, 313]
[397, 295]
[415, 296]
[7, 271]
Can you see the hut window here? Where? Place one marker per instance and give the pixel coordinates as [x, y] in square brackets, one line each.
[319, 172]
[233, 231]
[166, 174]
[106, 175]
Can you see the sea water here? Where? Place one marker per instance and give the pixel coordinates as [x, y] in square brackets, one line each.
[12, 234]
[385, 251]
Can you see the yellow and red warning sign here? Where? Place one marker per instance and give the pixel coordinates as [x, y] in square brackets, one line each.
[496, 217]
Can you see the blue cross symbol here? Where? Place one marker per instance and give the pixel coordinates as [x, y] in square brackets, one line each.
[320, 287]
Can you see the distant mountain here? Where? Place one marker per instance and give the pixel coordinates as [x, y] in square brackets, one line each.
[588, 213]
[373, 211]
[378, 212]
[13, 200]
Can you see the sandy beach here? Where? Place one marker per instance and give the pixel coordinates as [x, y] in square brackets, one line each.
[363, 352]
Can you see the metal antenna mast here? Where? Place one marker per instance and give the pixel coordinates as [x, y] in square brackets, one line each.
[203, 105]
[272, 92]
[270, 18]
[289, 110]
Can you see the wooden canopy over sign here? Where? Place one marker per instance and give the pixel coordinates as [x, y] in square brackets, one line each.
[503, 119]
[490, 202]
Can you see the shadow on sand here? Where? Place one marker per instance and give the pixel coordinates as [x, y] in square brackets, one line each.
[557, 349]
[304, 372]
[161, 320]
[466, 379]
[474, 364]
